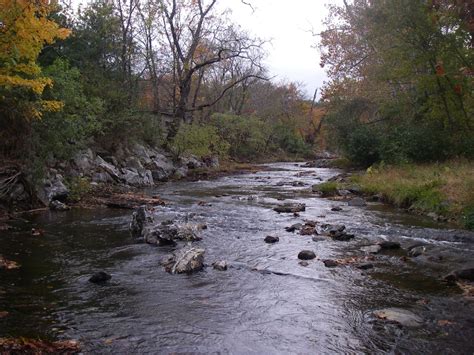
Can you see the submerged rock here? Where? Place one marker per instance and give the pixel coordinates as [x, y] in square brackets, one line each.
[186, 260]
[290, 208]
[100, 277]
[357, 202]
[56, 205]
[389, 245]
[342, 236]
[400, 316]
[336, 209]
[366, 266]
[306, 255]
[270, 240]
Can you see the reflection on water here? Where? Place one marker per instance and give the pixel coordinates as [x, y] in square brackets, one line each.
[293, 310]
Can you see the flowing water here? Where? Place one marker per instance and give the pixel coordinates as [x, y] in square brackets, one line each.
[265, 303]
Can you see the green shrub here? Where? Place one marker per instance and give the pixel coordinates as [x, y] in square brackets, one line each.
[394, 135]
[249, 137]
[63, 133]
[79, 187]
[468, 218]
[287, 139]
[199, 140]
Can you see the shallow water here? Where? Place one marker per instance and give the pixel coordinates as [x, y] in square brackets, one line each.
[285, 309]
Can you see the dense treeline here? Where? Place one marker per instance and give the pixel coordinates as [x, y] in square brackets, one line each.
[177, 73]
[401, 79]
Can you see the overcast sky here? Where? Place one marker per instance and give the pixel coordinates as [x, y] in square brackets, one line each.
[288, 25]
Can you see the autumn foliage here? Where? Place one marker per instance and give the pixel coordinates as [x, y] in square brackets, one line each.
[25, 29]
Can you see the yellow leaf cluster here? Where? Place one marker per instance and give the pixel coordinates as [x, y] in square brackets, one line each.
[24, 30]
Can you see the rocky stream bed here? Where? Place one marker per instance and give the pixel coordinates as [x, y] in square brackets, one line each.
[251, 263]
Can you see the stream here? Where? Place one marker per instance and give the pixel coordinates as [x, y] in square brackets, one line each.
[265, 303]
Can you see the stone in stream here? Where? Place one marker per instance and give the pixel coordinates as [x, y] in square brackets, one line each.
[463, 274]
[303, 263]
[220, 265]
[270, 239]
[306, 255]
[330, 263]
[100, 277]
[310, 223]
[386, 245]
[185, 260]
[290, 208]
[317, 239]
[308, 230]
[293, 227]
[416, 251]
[365, 266]
[336, 209]
[332, 228]
[140, 218]
[342, 236]
[399, 316]
[357, 202]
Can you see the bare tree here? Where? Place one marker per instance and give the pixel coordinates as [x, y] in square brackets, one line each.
[199, 38]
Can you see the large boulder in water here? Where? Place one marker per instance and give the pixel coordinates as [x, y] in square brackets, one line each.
[184, 261]
[143, 226]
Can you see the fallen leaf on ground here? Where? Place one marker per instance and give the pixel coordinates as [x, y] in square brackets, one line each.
[354, 259]
[467, 288]
[8, 264]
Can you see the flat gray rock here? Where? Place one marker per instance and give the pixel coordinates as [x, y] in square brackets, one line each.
[372, 249]
[401, 316]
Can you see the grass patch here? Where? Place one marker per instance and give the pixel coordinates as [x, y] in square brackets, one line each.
[446, 189]
[326, 189]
